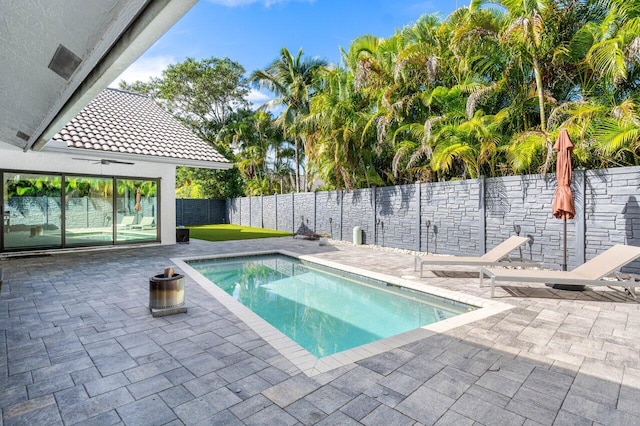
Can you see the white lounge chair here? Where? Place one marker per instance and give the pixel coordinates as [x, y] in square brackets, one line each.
[126, 222]
[496, 256]
[590, 272]
[145, 222]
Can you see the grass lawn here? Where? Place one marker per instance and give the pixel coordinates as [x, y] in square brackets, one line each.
[232, 232]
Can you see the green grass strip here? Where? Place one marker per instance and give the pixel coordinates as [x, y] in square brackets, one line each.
[232, 232]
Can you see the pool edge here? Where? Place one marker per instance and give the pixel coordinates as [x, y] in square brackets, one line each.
[303, 359]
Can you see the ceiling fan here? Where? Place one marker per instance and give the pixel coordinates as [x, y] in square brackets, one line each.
[105, 161]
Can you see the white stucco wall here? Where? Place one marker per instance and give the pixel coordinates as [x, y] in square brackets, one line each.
[16, 160]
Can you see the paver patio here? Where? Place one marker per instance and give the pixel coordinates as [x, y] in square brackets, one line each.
[79, 346]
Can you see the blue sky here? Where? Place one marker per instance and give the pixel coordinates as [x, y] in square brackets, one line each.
[252, 32]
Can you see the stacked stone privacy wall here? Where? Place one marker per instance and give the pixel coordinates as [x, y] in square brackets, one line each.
[200, 212]
[256, 212]
[80, 212]
[453, 210]
[612, 210]
[269, 211]
[396, 212]
[329, 214]
[284, 219]
[470, 217]
[358, 210]
[304, 213]
[245, 210]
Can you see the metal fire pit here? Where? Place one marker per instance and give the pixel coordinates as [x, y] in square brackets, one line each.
[166, 294]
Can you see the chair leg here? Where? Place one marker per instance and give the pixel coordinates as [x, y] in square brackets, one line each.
[481, 278]
[493, 283]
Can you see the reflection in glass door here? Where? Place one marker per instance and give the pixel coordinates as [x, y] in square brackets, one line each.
[137, 210]
[88, 211]
[58, 211]
[32, 211]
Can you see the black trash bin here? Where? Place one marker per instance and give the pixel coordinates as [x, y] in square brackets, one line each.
[182, 235]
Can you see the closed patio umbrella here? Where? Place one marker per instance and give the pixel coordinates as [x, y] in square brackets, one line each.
[563, 205]
[138, 206]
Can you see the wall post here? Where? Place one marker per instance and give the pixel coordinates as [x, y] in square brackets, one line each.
[419, 216]
[482, 225]
[374, 234]
[581, 217]
[341, 194]
[261, 211]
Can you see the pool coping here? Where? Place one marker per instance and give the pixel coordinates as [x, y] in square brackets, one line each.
[303, 359]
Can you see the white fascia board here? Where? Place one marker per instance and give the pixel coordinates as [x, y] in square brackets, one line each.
[62, 148]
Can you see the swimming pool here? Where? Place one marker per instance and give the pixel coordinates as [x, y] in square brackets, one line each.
[324, 310]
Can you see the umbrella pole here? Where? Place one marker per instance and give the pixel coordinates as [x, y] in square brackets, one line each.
[564, 262]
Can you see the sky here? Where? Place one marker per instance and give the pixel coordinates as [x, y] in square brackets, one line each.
[252, 32]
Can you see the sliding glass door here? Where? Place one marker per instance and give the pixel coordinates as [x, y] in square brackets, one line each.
[88, 211]
[32, 211]
[57, 211]
[137, 208]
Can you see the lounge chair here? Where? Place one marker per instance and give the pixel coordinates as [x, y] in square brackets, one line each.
[126, 222]
[590, 272]
[496, 256]
[145, 222]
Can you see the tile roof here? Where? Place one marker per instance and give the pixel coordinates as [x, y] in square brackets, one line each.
[128, 123]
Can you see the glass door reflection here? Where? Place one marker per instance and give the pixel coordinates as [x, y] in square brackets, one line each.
[31, 211]
[137, 208]
[88, 211]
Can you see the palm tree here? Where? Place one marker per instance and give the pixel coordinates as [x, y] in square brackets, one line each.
[526, 34]
[291, 79]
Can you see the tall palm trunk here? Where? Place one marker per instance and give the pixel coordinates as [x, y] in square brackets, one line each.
[296, 148]
[543, 117]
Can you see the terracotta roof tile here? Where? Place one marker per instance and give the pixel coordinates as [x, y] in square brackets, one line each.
[118, 121]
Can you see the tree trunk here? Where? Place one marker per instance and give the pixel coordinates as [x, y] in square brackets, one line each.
[295, 138]
[543, 118]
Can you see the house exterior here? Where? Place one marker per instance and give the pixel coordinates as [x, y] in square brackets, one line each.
[107, 177]
[80, 165]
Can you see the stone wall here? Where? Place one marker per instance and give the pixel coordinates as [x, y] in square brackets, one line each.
[396, 217]
[201, 212]
[452, 210]
[80, 212]
[245, 211]
[304, 213]
[269, 212]
[612, 210]
[470, 217]
[358, 210]
[329, 214]
[256, 212]
[284, 206]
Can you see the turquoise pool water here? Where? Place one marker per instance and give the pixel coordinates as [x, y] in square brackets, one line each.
[324, 310]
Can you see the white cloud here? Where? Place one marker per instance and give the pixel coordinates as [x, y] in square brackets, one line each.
[257, 98]
[267, 3]
[144, 68]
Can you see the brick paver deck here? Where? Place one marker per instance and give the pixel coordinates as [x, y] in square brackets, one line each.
[79, 346]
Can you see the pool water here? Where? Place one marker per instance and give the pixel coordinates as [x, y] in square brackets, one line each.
[325, 311]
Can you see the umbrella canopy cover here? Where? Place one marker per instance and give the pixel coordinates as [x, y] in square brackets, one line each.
[563, 206]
